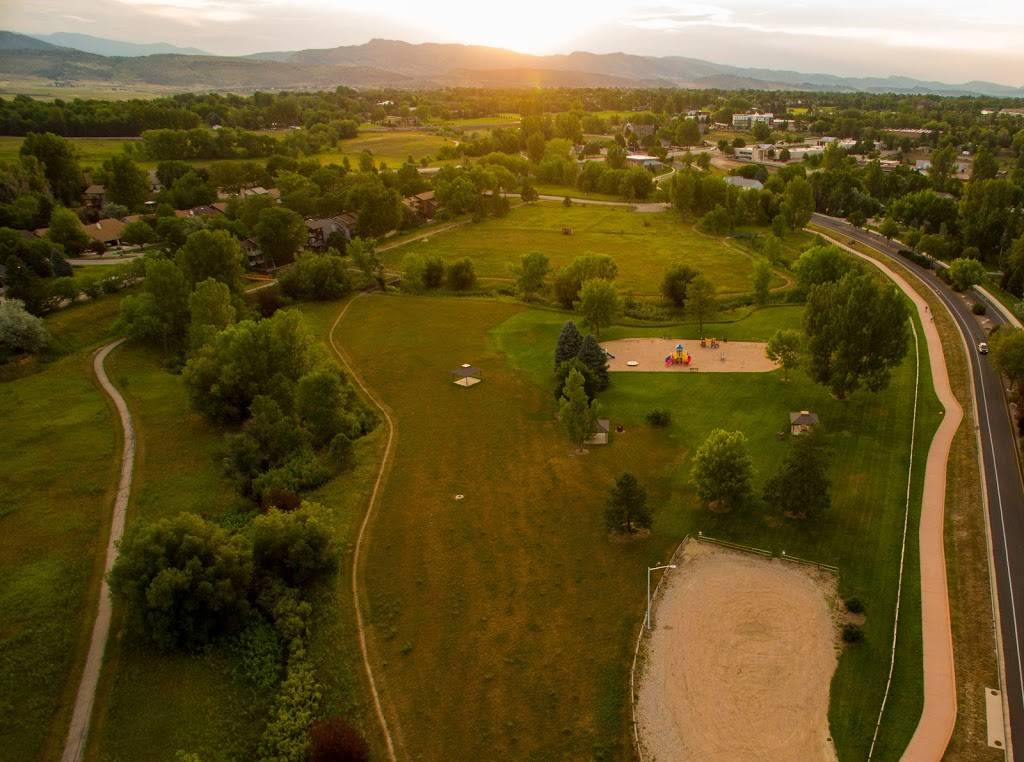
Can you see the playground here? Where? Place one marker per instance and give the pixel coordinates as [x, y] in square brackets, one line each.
[707, 355]
[740, 661]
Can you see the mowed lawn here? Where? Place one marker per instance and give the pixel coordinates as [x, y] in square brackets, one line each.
[57, 445]
[507, 617]
[642, 245]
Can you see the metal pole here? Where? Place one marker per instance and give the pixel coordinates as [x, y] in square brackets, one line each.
[647, 618]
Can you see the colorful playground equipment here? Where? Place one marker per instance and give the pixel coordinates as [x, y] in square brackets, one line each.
[712, 342]
[679, 356]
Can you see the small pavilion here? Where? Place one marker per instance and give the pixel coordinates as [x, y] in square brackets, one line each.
[466, 375]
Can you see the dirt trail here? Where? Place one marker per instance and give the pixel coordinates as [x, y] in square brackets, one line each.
[81, 715]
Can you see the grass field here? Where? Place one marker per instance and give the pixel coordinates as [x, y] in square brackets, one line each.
[517, 596]
[57, 443]
[44, 90]
[643, 245]
[391, 147]
[91, 151]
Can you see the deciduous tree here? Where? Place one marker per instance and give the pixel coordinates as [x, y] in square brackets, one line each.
[722, 470]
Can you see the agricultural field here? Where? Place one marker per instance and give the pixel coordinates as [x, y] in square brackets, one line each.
[91, 151]
[515, 592]
[643, 245]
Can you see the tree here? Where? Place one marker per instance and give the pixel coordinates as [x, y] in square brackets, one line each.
[801, 487]
[249, 359]
[627, 509]
[722, 470]
[532, 270]
[66, 230]
[702, 301]
[577, 412]
[941, 170]
[762, 279]
[20, 331]
[688, 133]
[317, 276]
[599, 303]
[183, 581]
[161, 312]
[596, 359]
[212, 254]
[24, 285]
[590, 384]
[569, 342]
[528, 192]
[125, 182]
[535, 146]
[138, 233]
[295, 547]
[856, 333]
[210, 311]
[460, 274]
[1008, 355]
[889, 228]
[327, 406]
[772, 249]
[59, 162]
[965, 272]
[798, 202]
[280, 233]
[334, 740]
[570, 279]
[984, 220]
[675, 282]
[191, 190]
[784, 347]
[985, 166]
[365, 257]
[822, 264]
[718, 221]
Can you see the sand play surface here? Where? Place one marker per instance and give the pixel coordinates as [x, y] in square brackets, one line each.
[649, 354]
[740, 661]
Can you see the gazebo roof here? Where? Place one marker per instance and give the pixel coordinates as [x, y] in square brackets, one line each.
[465, 371]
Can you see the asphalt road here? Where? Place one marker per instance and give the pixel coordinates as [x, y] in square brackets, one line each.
[1004, 487]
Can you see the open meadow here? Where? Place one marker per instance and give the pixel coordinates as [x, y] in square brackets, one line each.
[394, 148]
[643, 245]
[516, 593]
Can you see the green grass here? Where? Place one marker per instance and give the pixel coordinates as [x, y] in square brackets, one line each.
[516, 596]
[573, 192]
[643, 245]
[57, 445]
[91, 151]
[391, 147]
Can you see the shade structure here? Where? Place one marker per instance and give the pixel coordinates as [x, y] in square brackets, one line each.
[465, 375]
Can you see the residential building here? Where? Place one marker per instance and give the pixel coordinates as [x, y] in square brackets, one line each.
[743, 183]
[94, 196]
[253, 254]
[423, 205]
[642, 160]
[640, 131]
[802, 422]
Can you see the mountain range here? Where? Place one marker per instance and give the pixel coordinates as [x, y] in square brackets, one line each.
[103, 47]
[389, 63]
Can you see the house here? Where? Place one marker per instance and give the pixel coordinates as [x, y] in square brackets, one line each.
[107, 231]
[424, 205]
[640, 131]
[922, 165]
[802, 422]
[209, 210]
[154, 182]
[747, 121]
[259, 190]
[320, 229]
[642, 160]
[253, 254]
[601, 432]
[743, 183]
[94, 196]
[349, 222]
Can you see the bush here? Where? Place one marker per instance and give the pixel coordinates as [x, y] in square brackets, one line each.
[319, 277]
[852, 633]
[259, 654]
[460, 275]
[978, 308]
[19, 330]
[659, 418]
[334, 740]
[854, 605]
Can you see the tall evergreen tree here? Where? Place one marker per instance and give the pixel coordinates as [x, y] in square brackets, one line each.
[801, 486]
[578, 414]
[569, 342]
[594, 357]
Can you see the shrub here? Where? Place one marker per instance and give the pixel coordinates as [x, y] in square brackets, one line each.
[19, 330]
[461, 275]
[659, 418]
[978, 308]
[259, 654]
[852, 633]
[854, 605]
[334, 740]
[319, 277]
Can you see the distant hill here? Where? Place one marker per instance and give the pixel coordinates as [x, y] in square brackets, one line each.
[105, 47]
[390, 63]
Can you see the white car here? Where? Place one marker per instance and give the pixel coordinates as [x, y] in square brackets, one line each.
[983, 348]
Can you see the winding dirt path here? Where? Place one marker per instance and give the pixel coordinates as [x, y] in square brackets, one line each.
[78, 732]
[938, 715]
[357, 552]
